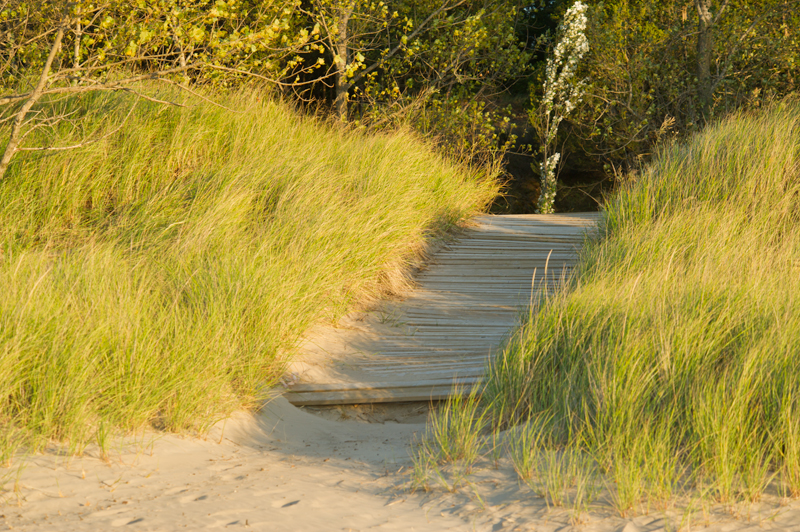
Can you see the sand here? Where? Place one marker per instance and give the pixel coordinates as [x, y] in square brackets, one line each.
[286, 469]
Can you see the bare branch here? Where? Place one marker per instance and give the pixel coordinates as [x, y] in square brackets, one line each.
[150, 98]
[190, 91]
[85, 142]
[13, 139]
[90, 84]
[5, 100]
[271, 80]
[720, 11]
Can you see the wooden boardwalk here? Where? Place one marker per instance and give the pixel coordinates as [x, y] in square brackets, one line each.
[465, 302]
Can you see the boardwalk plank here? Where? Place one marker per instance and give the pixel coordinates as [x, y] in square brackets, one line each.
[466, 302]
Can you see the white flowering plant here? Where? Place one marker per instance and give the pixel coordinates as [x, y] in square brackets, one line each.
[562, 93]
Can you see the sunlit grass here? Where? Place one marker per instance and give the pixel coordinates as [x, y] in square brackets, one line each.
[672, 355]
[160, 277]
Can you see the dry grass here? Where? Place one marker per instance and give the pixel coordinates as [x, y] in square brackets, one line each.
[156, 277]
[672, 355]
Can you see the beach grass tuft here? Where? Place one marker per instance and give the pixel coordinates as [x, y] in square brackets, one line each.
[161, 276]
[671, 356]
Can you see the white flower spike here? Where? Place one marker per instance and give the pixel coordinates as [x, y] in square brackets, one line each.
[562, 93]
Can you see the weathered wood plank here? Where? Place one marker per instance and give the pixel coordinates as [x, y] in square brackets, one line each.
[467, 301]
[377, 395]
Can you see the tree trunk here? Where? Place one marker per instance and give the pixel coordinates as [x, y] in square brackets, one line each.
[705, 49]
[76, 53]
[342, 85]
[19, 120]
[181, 53]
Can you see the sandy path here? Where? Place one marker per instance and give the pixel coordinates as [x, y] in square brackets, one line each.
[281, 470]
[286, 469]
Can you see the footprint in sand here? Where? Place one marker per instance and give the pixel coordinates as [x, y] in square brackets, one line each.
[192, 498]
[231, 511]
[173, 491]
[126, 521]
[107, 513]
[284, 504]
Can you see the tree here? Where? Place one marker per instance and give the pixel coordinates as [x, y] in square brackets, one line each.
[659, 67]
[119, 44]
[380, 52]
[705, 51]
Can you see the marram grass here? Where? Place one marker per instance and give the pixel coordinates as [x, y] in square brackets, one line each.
[673, 355]
[157, 277]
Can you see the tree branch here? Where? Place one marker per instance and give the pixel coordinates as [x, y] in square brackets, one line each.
[85, 142]
[90, 84]
[444, 8]
[13, 139]
[209, 100]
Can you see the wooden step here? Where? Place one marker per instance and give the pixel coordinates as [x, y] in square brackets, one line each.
[377, 392]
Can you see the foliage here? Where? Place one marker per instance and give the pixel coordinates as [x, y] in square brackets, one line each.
[642, 66]
[672, 352]
[386, 53]
[462, 129]
[562, 93]
[126, 35]
[443, 53]
[161, 276]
